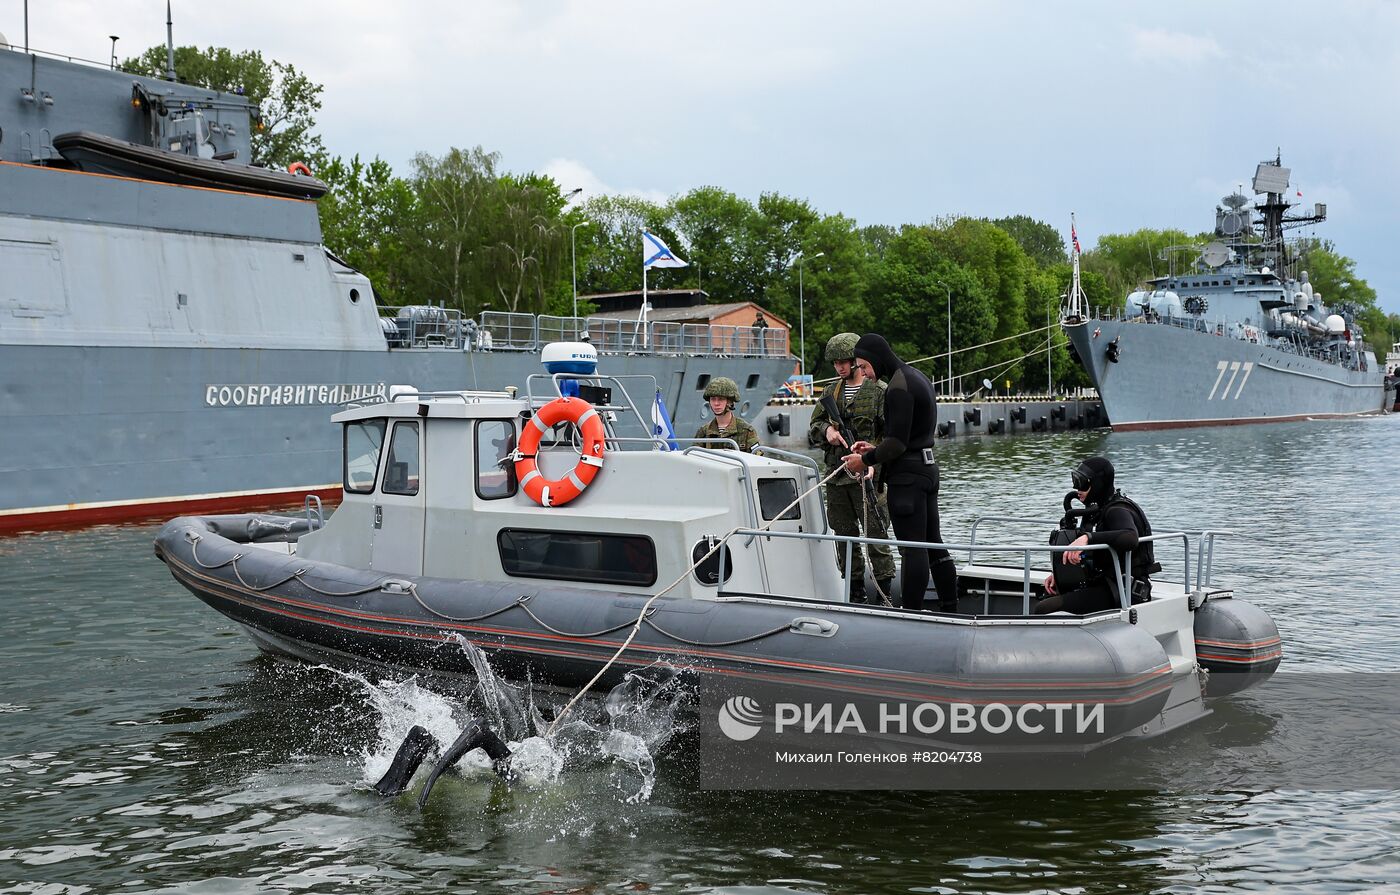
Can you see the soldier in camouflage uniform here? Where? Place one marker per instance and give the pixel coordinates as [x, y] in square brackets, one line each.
[863, 402]
[722, 393]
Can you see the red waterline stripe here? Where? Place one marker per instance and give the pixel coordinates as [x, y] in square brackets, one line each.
[82, 515]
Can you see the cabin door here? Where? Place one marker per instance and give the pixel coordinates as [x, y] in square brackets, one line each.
[400, 505]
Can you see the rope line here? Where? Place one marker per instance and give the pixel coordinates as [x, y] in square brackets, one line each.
[297, 575]
[940, 356]
[749, 639]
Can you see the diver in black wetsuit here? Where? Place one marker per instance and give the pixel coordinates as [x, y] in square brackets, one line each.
[1119, 523]
[906, 465]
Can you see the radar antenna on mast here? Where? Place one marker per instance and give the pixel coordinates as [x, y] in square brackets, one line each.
[169, 44]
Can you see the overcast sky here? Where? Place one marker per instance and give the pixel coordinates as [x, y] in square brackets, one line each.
[1131, 115]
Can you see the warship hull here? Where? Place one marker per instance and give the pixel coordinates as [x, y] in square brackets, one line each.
[106, 433]
[174, 347]
[1170, 376]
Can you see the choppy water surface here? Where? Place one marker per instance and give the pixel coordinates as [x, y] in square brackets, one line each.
[146, 746]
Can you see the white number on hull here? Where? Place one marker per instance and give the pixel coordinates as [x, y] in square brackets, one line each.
[1234, 371]
[1248, 368]
[1234, 368]
[1221, 366]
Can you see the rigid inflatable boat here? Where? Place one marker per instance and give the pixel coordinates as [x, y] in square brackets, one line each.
[100, 154]
[439, 543]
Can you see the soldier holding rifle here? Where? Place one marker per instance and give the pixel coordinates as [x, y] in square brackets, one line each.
[850, 411]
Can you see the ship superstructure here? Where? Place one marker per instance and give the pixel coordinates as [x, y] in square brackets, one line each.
[1240, 335]
[172, 327]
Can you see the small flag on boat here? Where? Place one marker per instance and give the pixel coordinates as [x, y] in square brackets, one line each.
[1074, 237]
[656, 254]
[661, 423]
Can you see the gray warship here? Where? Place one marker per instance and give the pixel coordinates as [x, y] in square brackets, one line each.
[1238, 336]
[172, 327]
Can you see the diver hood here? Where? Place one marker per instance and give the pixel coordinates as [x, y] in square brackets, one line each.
[1099, 472]
[874, 348]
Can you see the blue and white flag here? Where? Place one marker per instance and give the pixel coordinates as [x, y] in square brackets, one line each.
[661, 423]
[656, 254]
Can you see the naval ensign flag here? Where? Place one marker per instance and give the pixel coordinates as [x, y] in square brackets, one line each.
[656, 254]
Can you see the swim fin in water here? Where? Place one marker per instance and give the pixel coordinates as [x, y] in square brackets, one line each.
[412, 751]
[475, 735]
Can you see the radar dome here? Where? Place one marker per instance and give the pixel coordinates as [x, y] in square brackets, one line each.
[1335, 324]
[579, 358]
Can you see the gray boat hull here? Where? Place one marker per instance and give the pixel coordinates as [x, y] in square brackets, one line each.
[558, 635]
[1170, 376]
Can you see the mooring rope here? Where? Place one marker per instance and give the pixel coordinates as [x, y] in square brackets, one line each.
[941, 355]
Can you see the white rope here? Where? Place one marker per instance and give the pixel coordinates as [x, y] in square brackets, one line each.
[646, 607]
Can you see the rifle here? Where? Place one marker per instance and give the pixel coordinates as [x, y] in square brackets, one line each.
[843, 426]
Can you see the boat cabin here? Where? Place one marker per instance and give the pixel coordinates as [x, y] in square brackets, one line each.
[431, 489]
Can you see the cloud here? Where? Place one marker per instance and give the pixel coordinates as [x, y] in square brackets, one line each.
[571, 174]
[1161, 45]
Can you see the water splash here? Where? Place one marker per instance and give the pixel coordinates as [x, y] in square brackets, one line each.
[620, 733]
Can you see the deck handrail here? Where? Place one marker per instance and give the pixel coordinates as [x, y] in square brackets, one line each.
[1024, 549]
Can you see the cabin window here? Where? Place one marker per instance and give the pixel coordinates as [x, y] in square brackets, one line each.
[702, 381]
[578, 556]
[774, 495]
[363, 440]
[401, 473]
[495, 471]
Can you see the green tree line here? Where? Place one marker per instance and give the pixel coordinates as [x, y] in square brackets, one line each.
[458, 229]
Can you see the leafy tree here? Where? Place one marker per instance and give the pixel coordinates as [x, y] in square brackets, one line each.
[909, 299]
[1002, 271]
[525, 236]
[878, 237]
[1128, 260]
[834, 285]
[368, 218]
[456, 192]
[720, 231]
[1042, 242]
[610, 251]
[287, 99]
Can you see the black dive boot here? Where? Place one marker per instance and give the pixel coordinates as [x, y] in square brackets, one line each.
[945, 581]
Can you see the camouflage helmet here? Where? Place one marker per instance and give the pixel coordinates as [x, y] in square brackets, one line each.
[722, 387]
[842, 346]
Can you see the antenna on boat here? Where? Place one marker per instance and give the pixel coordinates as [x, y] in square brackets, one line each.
[169, 44]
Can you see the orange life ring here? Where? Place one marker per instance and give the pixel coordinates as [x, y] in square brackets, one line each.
[299, 168]
[557, 492]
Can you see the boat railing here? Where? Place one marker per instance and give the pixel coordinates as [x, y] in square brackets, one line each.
[1205, 546]
[852, 542]
[627, 406]
[510, 331]
[315, 515]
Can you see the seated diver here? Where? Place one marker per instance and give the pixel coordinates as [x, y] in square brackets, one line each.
[1113, 519]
